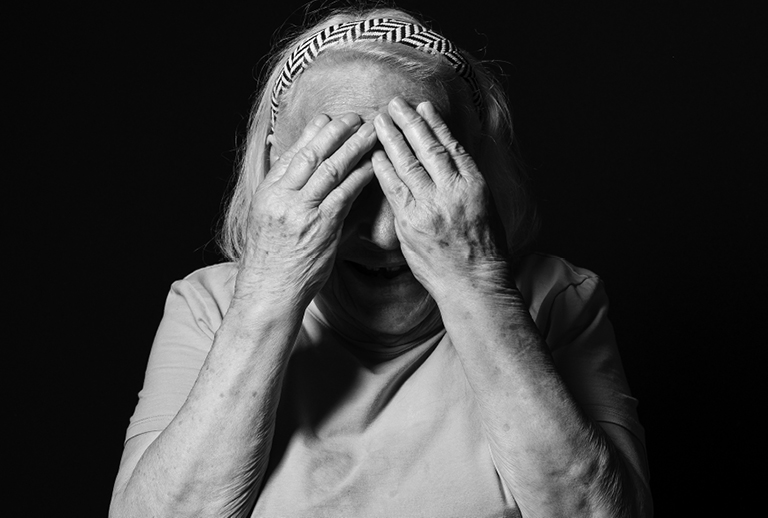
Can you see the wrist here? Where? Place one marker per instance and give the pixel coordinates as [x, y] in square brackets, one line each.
[489, 278]
[259, 332]
[266, 294]
[487, 295]
[258, 306]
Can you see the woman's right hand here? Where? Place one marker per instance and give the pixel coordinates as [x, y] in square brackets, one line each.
[298, 210]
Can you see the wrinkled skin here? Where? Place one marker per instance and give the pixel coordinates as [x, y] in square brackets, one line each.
[320, 223]
[298, 210]
[365, 173]
[440, 200]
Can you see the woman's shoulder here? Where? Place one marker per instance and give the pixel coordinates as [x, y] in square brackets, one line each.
[208, 290]
[538, 272]
[546, 281]
[213, 278]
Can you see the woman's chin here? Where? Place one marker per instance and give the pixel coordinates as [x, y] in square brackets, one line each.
[382, 306]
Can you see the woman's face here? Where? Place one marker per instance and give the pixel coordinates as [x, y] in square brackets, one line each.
[371, 294]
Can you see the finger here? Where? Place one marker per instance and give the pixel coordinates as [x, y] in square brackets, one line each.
[338, 202]
[334, 169]
[308, 158]
[439, 128]
[406, 165]
[430, 151]
[310, 131]
[396, 192]
[443, 134]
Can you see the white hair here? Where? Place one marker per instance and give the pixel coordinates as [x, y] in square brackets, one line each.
[494, 153]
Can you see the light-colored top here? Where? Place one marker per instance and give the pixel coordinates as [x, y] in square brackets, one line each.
[360, 432]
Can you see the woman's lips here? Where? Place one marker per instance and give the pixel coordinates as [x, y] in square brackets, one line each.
[386, 272]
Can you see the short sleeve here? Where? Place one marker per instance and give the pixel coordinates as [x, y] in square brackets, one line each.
[586, 355]
[570, 308]
[193, 312]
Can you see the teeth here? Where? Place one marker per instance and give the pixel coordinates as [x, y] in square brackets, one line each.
[384, 268]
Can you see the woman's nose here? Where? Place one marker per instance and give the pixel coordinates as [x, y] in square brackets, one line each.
[374, 219]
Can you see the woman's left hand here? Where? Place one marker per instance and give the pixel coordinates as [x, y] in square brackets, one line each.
[441, 202]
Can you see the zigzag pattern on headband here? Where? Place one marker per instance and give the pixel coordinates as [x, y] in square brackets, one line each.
[378, 29]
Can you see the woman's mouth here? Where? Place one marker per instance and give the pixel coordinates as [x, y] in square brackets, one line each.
[385, 272]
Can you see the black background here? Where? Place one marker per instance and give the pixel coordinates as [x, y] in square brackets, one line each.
[639, 121]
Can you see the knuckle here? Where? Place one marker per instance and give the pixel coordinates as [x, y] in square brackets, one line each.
[338, 128]
[354, 147]
[334, 201]
[398, 191]
[308, 156]
[331, 170]
[454, 147]
[410, 165]
[436, 150]
[415, 123]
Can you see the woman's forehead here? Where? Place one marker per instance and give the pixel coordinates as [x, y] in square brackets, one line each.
[362, 88]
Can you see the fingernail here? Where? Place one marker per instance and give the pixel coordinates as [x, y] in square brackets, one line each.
[378, 155]
[381, 120]
[320, 121]
[366, 130]
[351, 119]
[424, 107]
[399, 103]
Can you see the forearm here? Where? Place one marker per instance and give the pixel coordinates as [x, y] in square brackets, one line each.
[211, 458]
[554, 460]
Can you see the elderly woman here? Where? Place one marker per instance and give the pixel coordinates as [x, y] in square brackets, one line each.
[378, 345]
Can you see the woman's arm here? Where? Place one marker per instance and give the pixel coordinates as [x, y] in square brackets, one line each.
[554, 460]
[552, 457]
[211, 459]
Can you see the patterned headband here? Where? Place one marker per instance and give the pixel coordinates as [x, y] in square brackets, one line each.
[414, 36]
